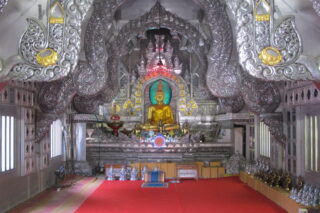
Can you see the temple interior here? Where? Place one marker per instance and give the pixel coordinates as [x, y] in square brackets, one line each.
[190, 88]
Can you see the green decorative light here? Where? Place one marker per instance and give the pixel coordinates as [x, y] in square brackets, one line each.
[165, 88]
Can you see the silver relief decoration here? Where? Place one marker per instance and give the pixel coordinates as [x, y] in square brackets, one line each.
[259, 96]
[44, 120]
[33, 40]
[97, 56]
[53, 99]
[275, 124]
[93, 74]
[223, 78]
[168, 20]
[232, 105]
[48, 96]
[87, 104]
[61, 38]
[266, 52]
[316, 6]
[3, 3]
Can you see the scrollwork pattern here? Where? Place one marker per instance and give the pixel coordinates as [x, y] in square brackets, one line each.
[3, 3]
[53, 99]
[222, 77]
[259, 96]
[34, 39]
[65, 41]
[93, 74]
[287, 40]
[96, 39]
[285, 33]
[232, 105]
[316, 6]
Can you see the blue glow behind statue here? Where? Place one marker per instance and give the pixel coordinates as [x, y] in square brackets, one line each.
[166, 90]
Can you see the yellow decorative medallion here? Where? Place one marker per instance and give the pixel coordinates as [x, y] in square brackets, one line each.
[47, 57]
[270, 56]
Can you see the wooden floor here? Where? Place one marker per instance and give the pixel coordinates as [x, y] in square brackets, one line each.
[67, 199]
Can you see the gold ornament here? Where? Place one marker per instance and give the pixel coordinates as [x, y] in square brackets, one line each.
[270, 56]
[47, 57]
[56, 14]
[263, 17]
[262, 11]
[128, 103]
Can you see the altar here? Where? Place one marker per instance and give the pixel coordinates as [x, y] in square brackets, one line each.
[162, 113]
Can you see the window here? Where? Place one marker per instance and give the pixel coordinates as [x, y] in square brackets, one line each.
[7, 143]
[311, 134]
[264, 140]
[56, 138]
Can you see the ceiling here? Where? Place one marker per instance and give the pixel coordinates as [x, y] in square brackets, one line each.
[13, 19]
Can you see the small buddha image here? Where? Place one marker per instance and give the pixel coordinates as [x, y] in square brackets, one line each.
[159, 115]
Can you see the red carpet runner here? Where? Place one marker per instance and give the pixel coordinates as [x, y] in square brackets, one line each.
[189, 196]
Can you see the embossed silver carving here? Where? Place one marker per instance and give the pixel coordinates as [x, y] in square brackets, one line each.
[223, 78]
[259, 96]
[89, 104]
[48, 96]
[232, 105]
[316, 6]
[275, 124]
[233, 165]
[34, 39]
[285, 38]
[93, 74]
[65, 40]
[43, 122]
[3, 3]
[53, 99]
[91, 82]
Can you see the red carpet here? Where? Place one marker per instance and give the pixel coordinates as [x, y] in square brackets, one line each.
[189, 196]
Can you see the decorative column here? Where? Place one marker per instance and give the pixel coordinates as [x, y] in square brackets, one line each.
[80, 137]
[81, 166]
[256, 137]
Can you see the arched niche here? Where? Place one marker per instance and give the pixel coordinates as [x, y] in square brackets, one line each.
[180, 93]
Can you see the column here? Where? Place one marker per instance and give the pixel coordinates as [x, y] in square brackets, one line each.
[80, 137]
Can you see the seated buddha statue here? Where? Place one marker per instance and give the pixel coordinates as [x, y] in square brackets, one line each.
[160, 115]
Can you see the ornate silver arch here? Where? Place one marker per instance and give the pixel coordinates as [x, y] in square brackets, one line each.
[93, 76]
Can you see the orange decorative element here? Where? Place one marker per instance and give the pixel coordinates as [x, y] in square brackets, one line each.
[159, 141]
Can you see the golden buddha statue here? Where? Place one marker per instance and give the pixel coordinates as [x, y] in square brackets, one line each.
[160, 115]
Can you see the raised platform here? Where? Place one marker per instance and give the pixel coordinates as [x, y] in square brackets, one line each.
[275, 194]
[142, 152]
